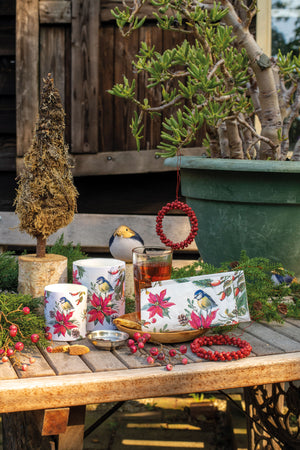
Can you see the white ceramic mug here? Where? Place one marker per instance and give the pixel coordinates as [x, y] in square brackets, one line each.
[105, 281]
[65, 311]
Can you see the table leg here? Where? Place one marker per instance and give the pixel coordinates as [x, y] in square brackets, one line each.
[274, 416]
[72, 438]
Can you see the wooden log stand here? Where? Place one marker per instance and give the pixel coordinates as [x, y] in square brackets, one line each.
[36, 273]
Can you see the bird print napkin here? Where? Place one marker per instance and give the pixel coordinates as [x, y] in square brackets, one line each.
[202, 301]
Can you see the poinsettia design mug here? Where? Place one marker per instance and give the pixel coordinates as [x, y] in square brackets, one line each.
[65, 311]
[105, 281]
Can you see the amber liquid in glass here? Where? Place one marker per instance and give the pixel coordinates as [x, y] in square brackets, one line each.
[144, 274]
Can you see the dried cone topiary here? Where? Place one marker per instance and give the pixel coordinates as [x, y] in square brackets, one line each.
[46, 196]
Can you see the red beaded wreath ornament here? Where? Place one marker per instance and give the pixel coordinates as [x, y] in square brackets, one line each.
[244, 348]
[177, 205]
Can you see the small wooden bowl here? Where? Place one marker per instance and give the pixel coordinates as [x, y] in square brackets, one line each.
[164, 338]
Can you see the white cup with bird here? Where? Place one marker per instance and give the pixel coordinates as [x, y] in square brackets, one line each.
[105, 282]
[65, 311]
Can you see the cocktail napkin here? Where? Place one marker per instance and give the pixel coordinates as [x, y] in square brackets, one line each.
[196, 302]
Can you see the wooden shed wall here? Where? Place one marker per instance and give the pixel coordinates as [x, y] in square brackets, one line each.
[78, 42]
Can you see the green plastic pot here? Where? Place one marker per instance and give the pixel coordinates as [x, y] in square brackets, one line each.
[244, 205]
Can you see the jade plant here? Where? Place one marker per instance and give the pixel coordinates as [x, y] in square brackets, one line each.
[46, 196]
[218, 77]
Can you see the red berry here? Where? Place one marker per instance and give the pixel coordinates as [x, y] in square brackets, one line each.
[13, 332]
[161, 356]
[49, 349]
[136, 335]
[169, 367]
[150, 360]
[26, 310]
[183, 349]
[130, 342]
[19, 346]
[184, 361]
[147, 336]
[48, 336]
[32, 360]
[133, 349]
[4, 358]
[24, 367]
[141, 345]
[9, 352]
[154, 351]
[13, 327]
[1, 351]
[172, 352]
[34, 338]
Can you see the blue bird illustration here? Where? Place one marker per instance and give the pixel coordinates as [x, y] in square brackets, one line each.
[123, 241]
[204, 301]
[65, 304]
[104, 285]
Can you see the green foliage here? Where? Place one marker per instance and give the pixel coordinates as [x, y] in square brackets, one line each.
[11, 312]
[68, 250]
[266, 300]
[206, 81]
[8, 271]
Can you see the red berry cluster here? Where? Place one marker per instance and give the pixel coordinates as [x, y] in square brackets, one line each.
[138, 344]
[193, 222]
[244, 348]
[9, 349]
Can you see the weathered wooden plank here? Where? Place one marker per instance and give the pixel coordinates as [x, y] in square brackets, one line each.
[7, 371]
[125, 51]
[286, 329]
[55, 12]
[106, 101]
[85, 66]
[52, 56]
[100, 360]
[27, 82]
[63, 363]
[40, 368]
[93, 231]
[272, 337]
[120, 385]
[118, 162]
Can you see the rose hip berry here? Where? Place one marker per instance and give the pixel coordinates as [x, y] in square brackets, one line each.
[183, 349]
[172, 352]
[49, 349]
[154, 351]
[133, 349]
[24, 367]
[9, 352]
[161, 356]
[136, 335]
[4, 359]
[26, 310]
[184, 361]
[32, 360]
[19, 346]
[150, 360]
[130, 342]
[48, 336]
[34, 338]
[169, 367]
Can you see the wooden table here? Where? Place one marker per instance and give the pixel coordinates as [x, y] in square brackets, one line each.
[59, 385]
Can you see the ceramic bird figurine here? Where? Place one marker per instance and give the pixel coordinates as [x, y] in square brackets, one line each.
[204, 301]
[104, 285]
[65, 304]
[123, 241]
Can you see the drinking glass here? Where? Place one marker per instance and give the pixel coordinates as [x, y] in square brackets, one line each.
[149, 264]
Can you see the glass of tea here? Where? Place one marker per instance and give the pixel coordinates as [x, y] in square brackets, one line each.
[149, 264]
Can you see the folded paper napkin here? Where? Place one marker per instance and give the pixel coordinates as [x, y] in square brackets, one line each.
[202, 301]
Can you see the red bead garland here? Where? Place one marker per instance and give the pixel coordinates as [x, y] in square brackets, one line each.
[244, 348]
[193, 221]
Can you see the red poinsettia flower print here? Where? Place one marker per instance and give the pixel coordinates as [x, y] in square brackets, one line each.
[63, 323]
[159, 304]
[75, 277]
[101, 309]
[197, 322]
